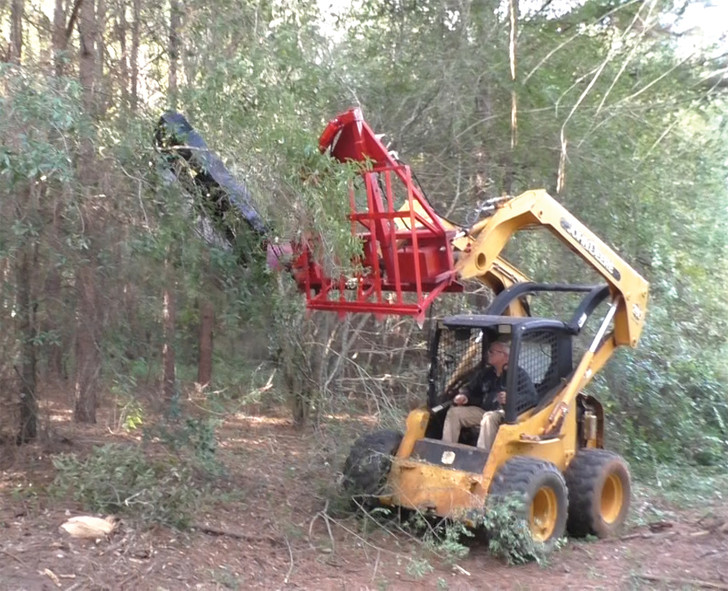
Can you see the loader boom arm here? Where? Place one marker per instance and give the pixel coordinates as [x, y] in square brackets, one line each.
[624, 320]
[489, 236]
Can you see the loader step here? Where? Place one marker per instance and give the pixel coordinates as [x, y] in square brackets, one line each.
[448, 455]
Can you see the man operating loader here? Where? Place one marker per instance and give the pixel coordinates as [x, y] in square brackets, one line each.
[481, 402]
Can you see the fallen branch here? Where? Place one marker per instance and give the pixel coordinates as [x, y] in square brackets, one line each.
[14, 557]
[661, 534]
[290, 555]
[460, 569]
[51, 575]
[216, 531]
[376, 567]
[684, 582]
[323, 514]
[697, 534]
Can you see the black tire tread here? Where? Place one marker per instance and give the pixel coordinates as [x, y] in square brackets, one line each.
[583, 477]
[516, 476]
[366, 468]
[517, 472]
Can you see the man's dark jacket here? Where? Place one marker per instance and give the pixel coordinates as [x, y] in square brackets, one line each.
[485, 385]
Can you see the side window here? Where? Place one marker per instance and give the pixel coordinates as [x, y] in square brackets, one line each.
[459, 352]
[538, 356]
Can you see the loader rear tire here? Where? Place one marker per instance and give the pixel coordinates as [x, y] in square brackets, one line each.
[366, 469]
[599, 493]
[543, 490]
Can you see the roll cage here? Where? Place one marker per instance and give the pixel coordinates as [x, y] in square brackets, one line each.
[543, 347]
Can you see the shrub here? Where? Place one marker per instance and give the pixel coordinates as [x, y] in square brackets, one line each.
[509, 537]
[443, 538]
[121, 479]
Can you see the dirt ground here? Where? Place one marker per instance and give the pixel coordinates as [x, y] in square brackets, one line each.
[275, 532]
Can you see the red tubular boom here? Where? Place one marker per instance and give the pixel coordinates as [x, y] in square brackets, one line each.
[405, 249]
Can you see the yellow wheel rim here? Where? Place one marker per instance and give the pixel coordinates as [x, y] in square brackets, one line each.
[612, 498]
[544, 514]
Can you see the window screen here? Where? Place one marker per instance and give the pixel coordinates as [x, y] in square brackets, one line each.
[459, 353]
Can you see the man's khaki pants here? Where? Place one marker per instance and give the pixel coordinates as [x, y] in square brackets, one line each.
[458, 417]
[472, 416]
[489, 428]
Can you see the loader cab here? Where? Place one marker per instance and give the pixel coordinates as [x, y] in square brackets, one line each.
[543, 347]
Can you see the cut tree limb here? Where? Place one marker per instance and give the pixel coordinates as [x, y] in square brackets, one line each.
[681, 581]
[217, 531]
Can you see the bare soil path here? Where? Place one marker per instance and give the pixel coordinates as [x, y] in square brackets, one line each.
[271, 530]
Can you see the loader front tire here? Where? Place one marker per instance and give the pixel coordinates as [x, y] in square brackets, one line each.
[543, 492]
[367, 466]
[599, 493]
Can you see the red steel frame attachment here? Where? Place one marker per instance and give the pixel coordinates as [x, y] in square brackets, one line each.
[406, 249]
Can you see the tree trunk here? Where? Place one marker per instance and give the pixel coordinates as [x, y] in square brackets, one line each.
[169, 319]
[207, 324]
[513, 17]
[121, 28]
[88, 355]
[16, 31]
[53, 309]
[301, 356]
[174, 23]
[135, 43]
[88, 358]
[54, 317]
[62, 31]
[87, 57]
[28, 428]
[59, 37]
[103, 84]
[508, 168]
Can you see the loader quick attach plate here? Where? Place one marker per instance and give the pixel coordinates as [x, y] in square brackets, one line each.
[456, 456]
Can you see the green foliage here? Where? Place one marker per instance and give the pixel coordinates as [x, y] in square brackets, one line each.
[509, 537]
[131, 412]
[419, 568]
[41, 127]
[666, 402]
[681, 486]
[118, 479]
[192, 435]
[132, 415]
[444, 538]
[40, 122]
